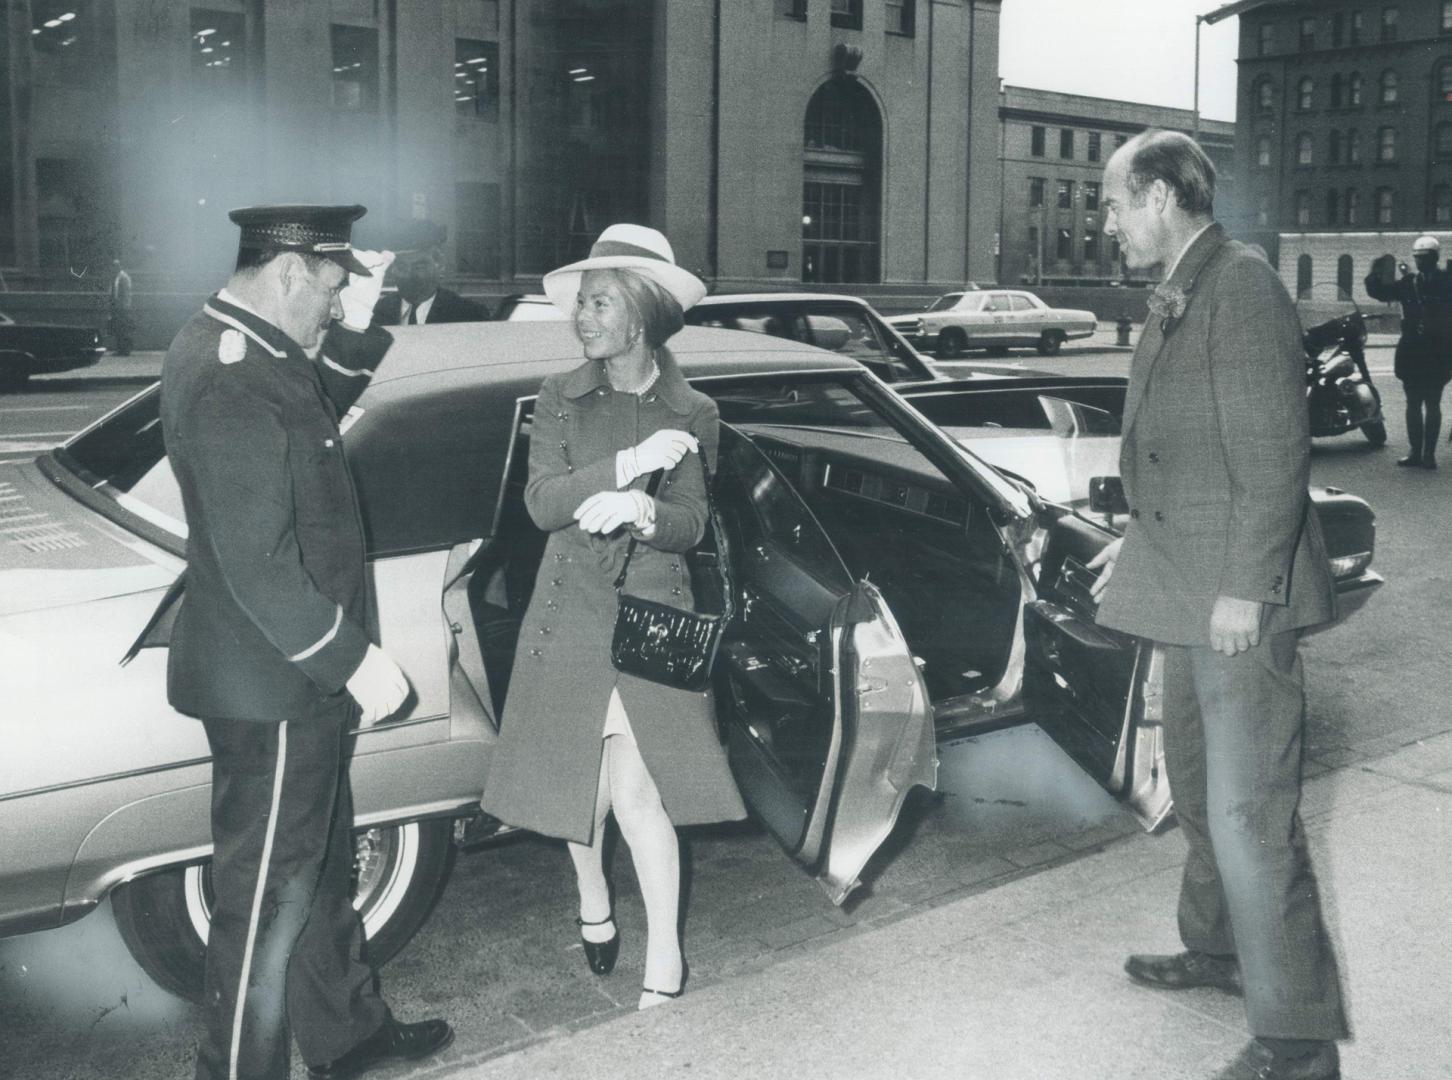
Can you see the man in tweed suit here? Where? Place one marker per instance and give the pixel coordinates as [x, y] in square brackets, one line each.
[1223, 563]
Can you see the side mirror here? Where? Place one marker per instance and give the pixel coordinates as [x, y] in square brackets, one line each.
[1106, 495]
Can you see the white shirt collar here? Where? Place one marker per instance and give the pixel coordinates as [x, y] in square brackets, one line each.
[423, 308]
[1188, 245]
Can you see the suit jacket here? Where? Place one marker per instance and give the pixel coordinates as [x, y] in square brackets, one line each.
[273, 619]
[1215, 458]
[448, 306]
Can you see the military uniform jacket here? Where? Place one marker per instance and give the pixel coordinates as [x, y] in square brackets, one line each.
[1424, 351]
[1215, 458]
[273, 619]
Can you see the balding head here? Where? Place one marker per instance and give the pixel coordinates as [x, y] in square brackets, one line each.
[1177, 160]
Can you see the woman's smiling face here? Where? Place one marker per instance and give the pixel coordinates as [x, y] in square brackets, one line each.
[604, 321]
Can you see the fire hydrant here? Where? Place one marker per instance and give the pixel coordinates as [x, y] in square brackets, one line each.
[1122, 326]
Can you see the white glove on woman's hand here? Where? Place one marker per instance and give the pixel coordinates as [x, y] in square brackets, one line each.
[606, 511]
[663, 450]
[379, 686]
[361, 293]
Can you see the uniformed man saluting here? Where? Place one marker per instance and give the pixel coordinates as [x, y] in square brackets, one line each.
[270, 647]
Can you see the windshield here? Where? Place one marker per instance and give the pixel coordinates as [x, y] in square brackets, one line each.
[943, 303]
[1057, 440]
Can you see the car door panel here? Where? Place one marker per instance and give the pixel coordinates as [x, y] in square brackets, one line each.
[825, 717]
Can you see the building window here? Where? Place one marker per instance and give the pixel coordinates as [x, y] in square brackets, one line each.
[1353, 90]
[792, 9]
[1091, 245]
[1442, 204]
[1446, 27]
[1303, 277]
[476, 78]
[63, 35]
[1262, 211]
[1094, 146]
[1303, 208]
[1036, 141]
[1034, 242]
[1036, 192]
[1358, 27]
[477, 228]
[1389, 18]
[1336, 91]
[355, 68]
[1353, 148]
[1343, 278]
[1444, 80]
[1120, 140]
[1308, 34]
[1331, 201]
[1385, 206]
[1304, 152]
[1065, 247]
[1306, 94]
[1091, 195]
[1353, 206]
[1267, 40]
[1386, 144]
[1265, 96]
[847, 14]
[1066, 194]
[1066, 143]
[219, 49]
[1338, 30]
[1388, 87]
[901, 17]
[841, 197]
[1333, 148]
[1442, 141]
[1263, 151]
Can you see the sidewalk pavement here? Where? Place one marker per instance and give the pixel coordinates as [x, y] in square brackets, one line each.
[1024, 982]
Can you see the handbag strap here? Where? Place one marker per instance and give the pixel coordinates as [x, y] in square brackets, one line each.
[650, 489]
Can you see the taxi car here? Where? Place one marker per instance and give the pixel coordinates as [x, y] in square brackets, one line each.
[993, 319]
[897, 579]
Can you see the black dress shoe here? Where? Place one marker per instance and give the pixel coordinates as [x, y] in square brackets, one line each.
[1185, 971]
[600, 955]
[1429, 463]
[1411, 461]
[392, 1042]
[1259, 1062]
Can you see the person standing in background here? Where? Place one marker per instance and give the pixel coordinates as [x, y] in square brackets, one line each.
[419, 297]
[122, 319]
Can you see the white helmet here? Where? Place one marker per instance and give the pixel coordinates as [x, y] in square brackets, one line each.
[1425, 243]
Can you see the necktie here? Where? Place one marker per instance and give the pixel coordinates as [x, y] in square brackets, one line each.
[413, 315]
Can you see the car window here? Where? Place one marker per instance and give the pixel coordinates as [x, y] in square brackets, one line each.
[943, 303]
[834, 326]
[996, 302]
[1021, 303]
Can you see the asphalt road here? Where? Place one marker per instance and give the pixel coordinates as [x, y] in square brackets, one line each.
[498, 957]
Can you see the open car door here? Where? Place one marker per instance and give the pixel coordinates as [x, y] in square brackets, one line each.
[825, 716]
[1094, 690]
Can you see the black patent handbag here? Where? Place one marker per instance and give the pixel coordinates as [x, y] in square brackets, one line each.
[666, 644]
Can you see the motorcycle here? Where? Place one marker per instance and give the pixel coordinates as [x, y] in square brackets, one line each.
[1339, 390]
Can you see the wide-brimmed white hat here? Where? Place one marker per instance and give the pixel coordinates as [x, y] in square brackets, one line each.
[627, 247]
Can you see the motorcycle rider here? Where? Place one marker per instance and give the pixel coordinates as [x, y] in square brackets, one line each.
[1424, 353]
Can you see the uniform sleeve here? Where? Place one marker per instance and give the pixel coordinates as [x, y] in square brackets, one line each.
[349, 359]
[680, 502]
[1388, 290]
[555, 487]
[244, 504]
[1257, 377]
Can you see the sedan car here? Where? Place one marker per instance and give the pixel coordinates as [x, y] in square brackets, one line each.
[893, 585]
[28, 349]
[995, 319]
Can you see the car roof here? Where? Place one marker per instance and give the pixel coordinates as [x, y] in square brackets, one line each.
[721, 299]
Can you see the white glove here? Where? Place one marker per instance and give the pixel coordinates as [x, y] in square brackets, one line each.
[606, 511]
[663, 450]
[361, 293]
[379, 686]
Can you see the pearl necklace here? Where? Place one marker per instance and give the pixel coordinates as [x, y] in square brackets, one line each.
[643, 387]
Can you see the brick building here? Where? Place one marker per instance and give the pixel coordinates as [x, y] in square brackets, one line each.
[1052, 155]
[754, 132]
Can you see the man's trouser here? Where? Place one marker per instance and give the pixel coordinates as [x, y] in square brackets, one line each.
[1233, 744]
[286, 947]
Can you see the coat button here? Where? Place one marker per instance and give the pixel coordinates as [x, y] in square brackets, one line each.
[558, 582]
[544, 630]
[569, 468]
[553, 605]
[328, 443]
[1159, 516]
[649, 398]
[1154, 457]
[676, 591]
[564, 445]
[559, 556]
[536, 652]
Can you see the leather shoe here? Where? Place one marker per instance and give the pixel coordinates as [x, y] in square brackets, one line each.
[1411, 461]
[600, 955]
[1259, 1062]
[391, 1042]
[1185, 971]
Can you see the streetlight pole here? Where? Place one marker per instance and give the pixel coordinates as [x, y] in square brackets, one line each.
[1195, 123]
[1210, 19]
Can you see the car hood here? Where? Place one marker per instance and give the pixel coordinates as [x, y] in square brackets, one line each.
[54, 552]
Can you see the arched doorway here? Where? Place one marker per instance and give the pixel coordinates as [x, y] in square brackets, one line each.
[842, 189]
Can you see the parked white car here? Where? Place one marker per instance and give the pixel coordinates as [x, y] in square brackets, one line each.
[993, 319]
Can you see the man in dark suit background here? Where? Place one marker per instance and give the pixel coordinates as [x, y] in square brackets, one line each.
[1222, 563]
[419, 297]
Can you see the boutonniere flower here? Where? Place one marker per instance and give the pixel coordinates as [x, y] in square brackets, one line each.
[1168, 303]
[232, 347]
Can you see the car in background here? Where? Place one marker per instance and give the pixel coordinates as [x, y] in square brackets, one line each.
[992, 319]
[28, 349]
[903, 572]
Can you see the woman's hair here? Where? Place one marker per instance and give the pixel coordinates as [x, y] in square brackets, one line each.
[654, 310]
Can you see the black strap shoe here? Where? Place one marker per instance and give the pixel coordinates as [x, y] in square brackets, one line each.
[391, 1042]
[600, 955]
[1259, 1062]
[1188, 970]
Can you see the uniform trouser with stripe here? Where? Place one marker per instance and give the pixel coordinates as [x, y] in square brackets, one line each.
[1233, 744]
[285, 951]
